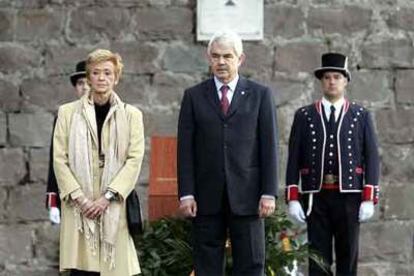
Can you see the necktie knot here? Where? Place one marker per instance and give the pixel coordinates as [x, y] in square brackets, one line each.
[224, 89]
[333, 109]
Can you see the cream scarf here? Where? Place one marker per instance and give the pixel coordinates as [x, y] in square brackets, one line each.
[83, 134]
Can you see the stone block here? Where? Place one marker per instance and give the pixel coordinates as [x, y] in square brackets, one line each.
[30, 3]
[287, 90]
[392, 125]
[160, 121]
[389, 52]
[18, 270]
[285, 21]
[15, 57]
[134, 89]
[401, 18]
[3, 129]
[259, 60]
[47, 94]
[39, 164]
[376, 269]
[399, 201]
[181, 58]
[391, 241]
[46, 245]
[13, 166]
[29, 20]
[27, 203]
[15, 244]
[163, 23]
[9, 96]
[3, 202]
[30, 129]
[62, 59]
[138, 57]
[404, 86]
[169, 87]
[343, 20]
[371, 87]
[397, 163]
[6, 25]
[299, 56]
[99, 23]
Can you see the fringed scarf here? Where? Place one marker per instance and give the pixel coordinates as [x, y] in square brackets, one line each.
[83, 133]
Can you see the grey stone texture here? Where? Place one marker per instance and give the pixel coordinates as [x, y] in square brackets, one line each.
[41, 41]
[404, 86]
[343, 20]
[30, 129]
[3, 129]
[13, 166]
[17, 57]
[9, 96]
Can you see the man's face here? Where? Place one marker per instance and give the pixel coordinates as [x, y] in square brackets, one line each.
[102, 77]
[333, 84]
[224, 61]
[81, 87]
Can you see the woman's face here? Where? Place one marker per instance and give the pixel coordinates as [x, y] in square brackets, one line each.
[102, 77]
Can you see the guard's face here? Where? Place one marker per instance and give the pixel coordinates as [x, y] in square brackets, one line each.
[102, 78]
[81, 87]
[224, 61]
[333, 84]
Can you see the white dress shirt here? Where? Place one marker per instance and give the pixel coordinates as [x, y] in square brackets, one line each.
[327, 107]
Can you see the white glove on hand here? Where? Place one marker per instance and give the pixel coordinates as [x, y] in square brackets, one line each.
[54, 215]
[296, 212]
[366, 211]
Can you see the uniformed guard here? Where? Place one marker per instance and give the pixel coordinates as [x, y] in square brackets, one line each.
[333, 169]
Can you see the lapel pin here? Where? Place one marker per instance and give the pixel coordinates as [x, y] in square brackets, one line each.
[243, 92]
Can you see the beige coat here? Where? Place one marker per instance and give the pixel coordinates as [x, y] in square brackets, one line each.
[74, 250]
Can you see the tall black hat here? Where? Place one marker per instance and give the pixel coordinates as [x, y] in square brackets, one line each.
[333, 62]
[79, 73]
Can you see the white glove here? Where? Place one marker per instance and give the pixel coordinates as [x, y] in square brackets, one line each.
[296, 212]
[54, 215]
[366, 211]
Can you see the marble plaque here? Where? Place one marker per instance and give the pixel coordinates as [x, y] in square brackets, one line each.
[244, 17]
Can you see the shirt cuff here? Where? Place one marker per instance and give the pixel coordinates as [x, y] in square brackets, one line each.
[186, 197]
[292, 192]
[269, 197]
[51, 200]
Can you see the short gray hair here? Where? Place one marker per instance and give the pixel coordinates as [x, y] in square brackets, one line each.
[227, 37]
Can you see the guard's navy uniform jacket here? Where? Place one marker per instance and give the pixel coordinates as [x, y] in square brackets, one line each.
[357, 154]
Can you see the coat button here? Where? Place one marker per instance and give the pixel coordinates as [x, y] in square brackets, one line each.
[331, 136]
[225, 125]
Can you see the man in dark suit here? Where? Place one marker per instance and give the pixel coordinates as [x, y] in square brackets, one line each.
[333, 151]
[227, 145]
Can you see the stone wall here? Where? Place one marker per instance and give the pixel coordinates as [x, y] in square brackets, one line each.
[40, 41]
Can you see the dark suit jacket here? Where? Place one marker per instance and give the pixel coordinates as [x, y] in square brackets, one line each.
[236, 152]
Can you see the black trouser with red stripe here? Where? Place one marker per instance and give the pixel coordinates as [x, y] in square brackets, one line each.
[334, 222]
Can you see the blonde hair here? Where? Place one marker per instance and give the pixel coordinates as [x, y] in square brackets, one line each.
[102, 55]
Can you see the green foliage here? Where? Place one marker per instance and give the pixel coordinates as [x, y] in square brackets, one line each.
[165, 247]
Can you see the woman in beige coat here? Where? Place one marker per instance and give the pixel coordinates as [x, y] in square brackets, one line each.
[98, 151]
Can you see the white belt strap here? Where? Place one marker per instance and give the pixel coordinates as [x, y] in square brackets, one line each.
[310, 204]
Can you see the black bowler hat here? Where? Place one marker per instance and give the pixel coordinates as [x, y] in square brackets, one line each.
[333, 62]
[79, 73]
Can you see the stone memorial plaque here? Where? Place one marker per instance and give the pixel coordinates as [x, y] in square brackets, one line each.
[244, 17]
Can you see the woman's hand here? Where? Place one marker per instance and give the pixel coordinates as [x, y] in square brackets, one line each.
[97, 208]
